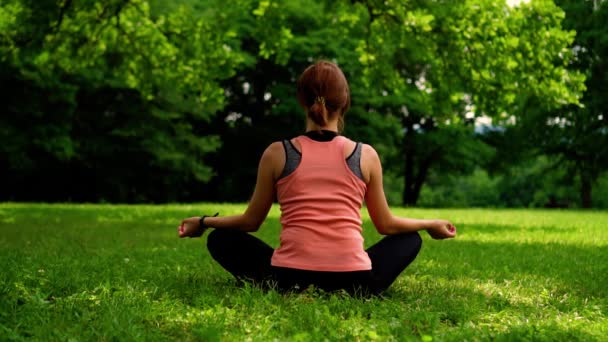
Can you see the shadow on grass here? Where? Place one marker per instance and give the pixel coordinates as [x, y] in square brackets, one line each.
[543, 332]
[575, 268]
[535, 231]
[579, 269]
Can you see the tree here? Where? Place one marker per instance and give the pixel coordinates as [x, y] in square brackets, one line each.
[141, 96]
[159, 78]
[577, 136]
[436, 63]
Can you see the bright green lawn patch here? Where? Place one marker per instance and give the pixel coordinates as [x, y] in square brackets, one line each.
[118, 272]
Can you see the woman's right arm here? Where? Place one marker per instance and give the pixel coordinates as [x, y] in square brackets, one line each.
[385, 222]
[270, 167]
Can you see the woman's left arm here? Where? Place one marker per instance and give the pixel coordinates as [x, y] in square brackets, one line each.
[269, 168]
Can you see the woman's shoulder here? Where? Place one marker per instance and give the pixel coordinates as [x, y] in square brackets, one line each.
[364, 146]
[369, 153]
[274, 147]
[277, 148]
[273, 159]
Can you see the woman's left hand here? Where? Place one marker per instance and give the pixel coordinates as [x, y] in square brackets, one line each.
[441, 229]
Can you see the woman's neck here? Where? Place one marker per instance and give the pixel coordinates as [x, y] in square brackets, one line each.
[330, 126]
[321, 135]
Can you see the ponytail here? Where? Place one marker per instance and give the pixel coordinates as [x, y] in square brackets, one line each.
[322, 91]
[318, 112]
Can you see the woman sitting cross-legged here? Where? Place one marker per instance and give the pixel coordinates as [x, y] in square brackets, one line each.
[321, 180]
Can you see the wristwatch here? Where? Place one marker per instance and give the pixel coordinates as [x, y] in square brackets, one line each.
[201, 222]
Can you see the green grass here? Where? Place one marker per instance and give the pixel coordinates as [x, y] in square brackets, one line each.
[119, 272]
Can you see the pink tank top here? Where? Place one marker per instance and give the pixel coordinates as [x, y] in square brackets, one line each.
[321, 211]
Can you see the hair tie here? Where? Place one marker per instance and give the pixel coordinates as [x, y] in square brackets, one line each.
[320, 99]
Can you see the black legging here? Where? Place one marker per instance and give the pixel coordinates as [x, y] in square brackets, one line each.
[247, 258]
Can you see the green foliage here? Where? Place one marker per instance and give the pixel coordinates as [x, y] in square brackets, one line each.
[572, 137]
[578, 135]
[443, 63]
[149, 100]
[118, 272]
[431, 54]
[601, 201]
[537, 183]
[87, 79]
[477, 189]
[533, 183]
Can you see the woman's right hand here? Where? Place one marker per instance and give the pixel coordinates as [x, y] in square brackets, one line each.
[190, 227]
[441, 229]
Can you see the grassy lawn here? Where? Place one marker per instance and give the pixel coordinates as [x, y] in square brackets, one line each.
[118, 272]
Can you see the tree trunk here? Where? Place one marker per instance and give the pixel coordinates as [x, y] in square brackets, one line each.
[409, 198]
[415, 176]
[586, 187]
[416, 168]
[423, 170]
[416, 162]
[409, 148]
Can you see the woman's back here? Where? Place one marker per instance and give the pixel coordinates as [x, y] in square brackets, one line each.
[320, 205]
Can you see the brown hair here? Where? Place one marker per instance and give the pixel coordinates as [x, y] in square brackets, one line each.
[322, 90]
